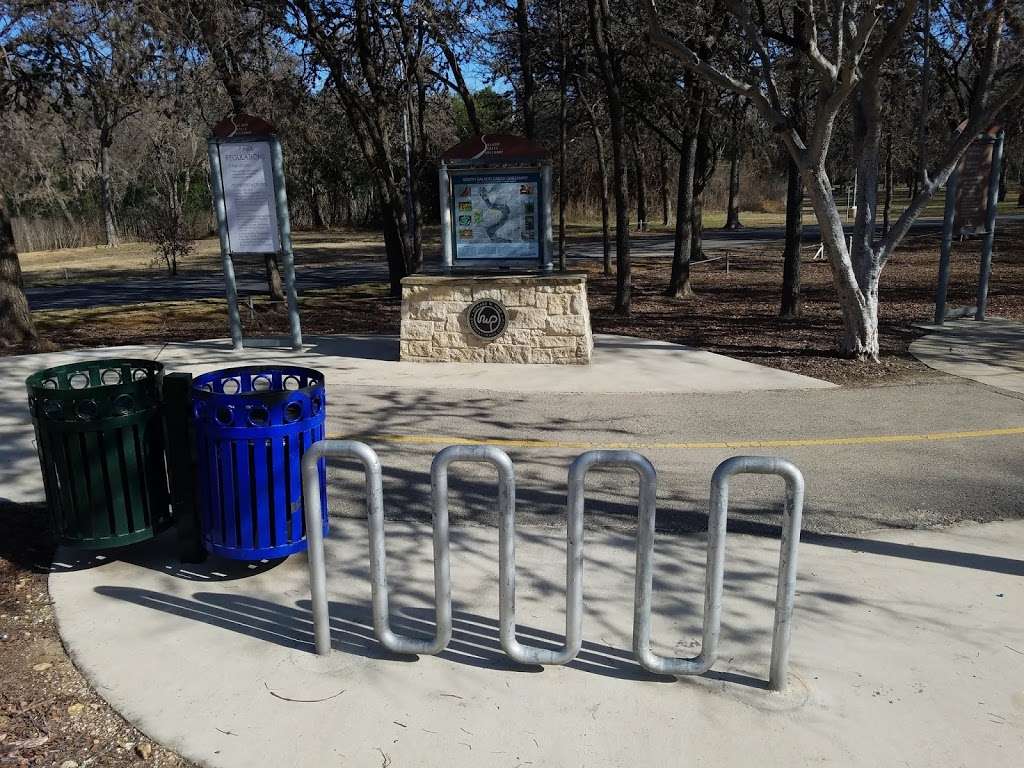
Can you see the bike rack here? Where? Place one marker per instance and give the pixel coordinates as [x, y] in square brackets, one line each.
[526, 654]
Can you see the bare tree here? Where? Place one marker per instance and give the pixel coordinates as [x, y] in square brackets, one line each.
[610, 66]
[845, 50]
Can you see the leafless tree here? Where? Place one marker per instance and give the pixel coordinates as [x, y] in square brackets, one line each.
[844, 47]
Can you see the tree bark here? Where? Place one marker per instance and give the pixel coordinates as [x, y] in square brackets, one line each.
[611, 74]
[665, 173]
[641, 183]
[16, 325]
[703, 169]
[527, 86]
[679, 283]
[106, 194]
[791, 301]
[887, 203]
[602, 170]
[562, 114]
[732, 218]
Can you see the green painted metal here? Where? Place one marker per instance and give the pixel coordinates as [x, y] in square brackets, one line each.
[181, 465]
[100, 440]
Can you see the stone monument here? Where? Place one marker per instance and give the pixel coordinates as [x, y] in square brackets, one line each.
[496, 299]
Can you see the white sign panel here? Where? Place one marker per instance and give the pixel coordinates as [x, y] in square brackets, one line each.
[496, 215]
[248, 181]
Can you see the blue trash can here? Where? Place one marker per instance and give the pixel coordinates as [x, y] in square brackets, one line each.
[252, 426]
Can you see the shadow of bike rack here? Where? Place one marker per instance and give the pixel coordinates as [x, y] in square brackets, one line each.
[526, 654]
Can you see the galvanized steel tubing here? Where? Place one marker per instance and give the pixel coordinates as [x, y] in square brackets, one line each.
[526, 654]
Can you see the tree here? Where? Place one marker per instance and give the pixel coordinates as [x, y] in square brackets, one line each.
[17, 87]
[845, 52]
[610, 67]
[101, 58]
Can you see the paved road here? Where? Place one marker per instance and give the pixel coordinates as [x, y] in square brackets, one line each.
[858, 476]
[205, 285]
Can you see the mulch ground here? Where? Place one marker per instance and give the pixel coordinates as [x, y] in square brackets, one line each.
[49, 715]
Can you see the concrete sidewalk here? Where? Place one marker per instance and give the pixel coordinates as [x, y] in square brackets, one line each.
[908, 649]
[990, 352]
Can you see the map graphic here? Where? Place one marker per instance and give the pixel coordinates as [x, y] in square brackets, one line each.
[496, 215]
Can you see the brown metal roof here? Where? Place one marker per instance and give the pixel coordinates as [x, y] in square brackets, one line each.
[494, 147]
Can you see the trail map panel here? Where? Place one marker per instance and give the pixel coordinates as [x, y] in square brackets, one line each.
[496, 216]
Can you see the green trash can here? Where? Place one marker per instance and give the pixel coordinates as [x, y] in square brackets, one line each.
[101, 448]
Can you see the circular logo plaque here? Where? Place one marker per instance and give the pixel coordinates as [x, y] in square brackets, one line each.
[488, 318]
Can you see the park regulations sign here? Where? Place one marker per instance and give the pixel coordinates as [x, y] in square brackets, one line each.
[496, 215]
[249, 204]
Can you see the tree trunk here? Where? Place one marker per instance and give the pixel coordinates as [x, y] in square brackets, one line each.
[527, 87]
[106, 194]
[858, 302]
[562, 114]
[641, 183]
[679, 284]
[1020, 184]
[611, 73]
[275, 288]
[791, 302]
[665, 173]
[315, 213]
[887, 203]
[732, 218]
[602, 170]
[703, 169]
[16, 326]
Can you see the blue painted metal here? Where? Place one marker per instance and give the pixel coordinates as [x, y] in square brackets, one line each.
[252, 425]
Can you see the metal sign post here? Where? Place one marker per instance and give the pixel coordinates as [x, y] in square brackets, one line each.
[251, 203]
[991, 210]
[972, 197]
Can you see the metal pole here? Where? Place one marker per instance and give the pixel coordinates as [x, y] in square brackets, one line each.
[545, 221]
[948, 217]
[230, 287]
[785, 590]
[990, 226]
[315, 540]
[284, 227]
[444, 187]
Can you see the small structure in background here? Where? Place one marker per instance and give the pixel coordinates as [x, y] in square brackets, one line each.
[497, 300]
[972, 198]
[247, 173]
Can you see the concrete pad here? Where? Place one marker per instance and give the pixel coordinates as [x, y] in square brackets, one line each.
[990, 352]
[621, 365]
[907, 649]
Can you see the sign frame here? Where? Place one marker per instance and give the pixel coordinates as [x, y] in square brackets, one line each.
[500, 155]
[214, 144]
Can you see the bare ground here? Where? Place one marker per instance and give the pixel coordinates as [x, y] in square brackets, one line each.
[49, 715]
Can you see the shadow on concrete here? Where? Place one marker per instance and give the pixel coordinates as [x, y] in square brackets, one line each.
[475, 639]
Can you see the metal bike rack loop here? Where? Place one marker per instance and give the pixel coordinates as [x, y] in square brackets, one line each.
[378, 565]
[573, 556]
[527, 654]
[717, 521]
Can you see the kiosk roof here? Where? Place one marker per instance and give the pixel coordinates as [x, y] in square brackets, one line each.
[493, 148]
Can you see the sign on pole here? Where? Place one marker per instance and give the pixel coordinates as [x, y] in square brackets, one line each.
[247, 173]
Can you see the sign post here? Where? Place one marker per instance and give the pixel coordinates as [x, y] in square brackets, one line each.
[251, 202]
[972, 196]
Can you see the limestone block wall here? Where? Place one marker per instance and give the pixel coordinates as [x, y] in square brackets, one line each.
[548, 319]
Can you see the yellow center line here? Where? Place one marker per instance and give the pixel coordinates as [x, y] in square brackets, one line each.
[682, 446]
